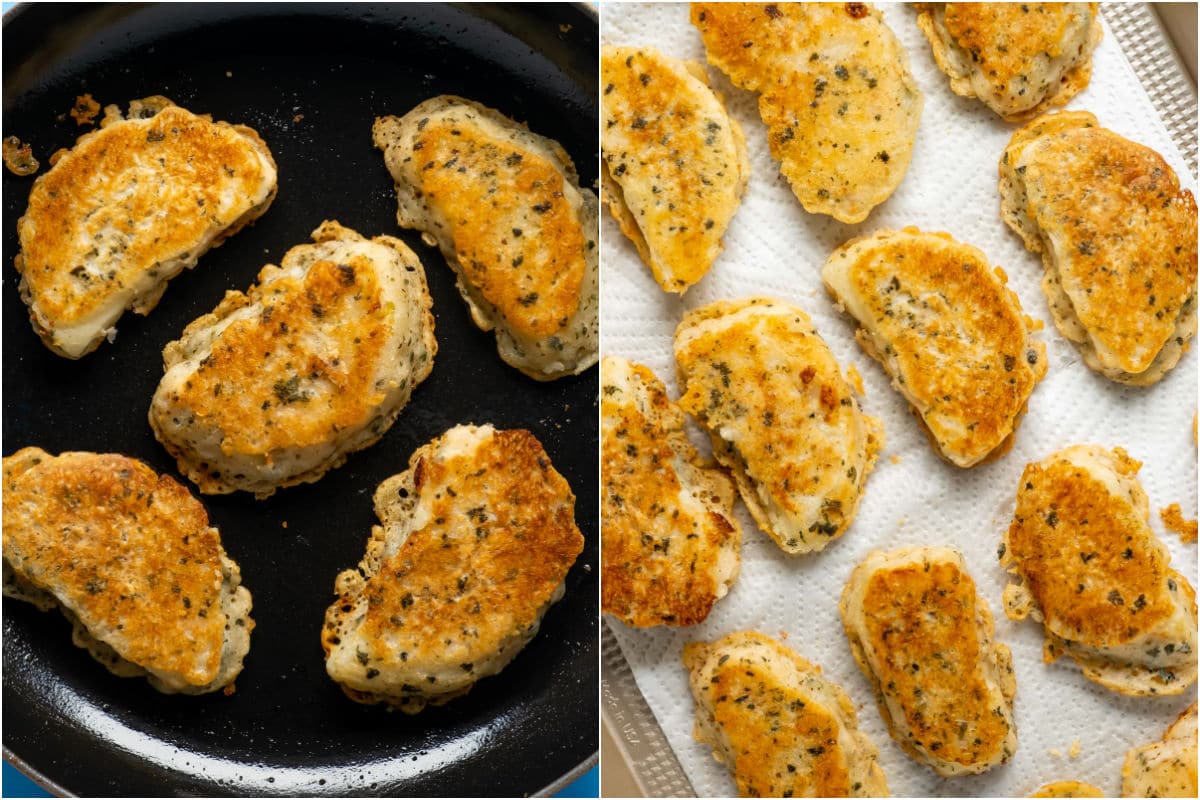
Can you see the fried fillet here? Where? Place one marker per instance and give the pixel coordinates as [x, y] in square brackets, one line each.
[278, 385]
[1068, 789]
[129, 558]
[781, 728]
[128, 208]
[474, 546]
[1019, 59]
[758, 377]
[1166, 768]
[923, 636]
[1117, 237]
[840, 105]
[675, 164]
[505, 207]
[1089, 567]
[949, 332]
[669, 538]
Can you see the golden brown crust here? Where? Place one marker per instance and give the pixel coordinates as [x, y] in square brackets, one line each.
[475, 544]
[675, 161]
[1118, 238]
[1020, 59]
[947, 328]
[462, 169]
[128, 207]
[1174, 521]
[780, 727]
[669, 538]
[1068, 789]
[129, 552]
[837, 97]
[505, 208]
[316, 360]
[760, 379]
[924, 638]
[1092, 569]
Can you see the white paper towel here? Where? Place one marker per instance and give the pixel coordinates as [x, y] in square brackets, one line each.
[774, 247]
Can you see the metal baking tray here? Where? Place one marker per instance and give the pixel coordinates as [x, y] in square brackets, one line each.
[628, 718]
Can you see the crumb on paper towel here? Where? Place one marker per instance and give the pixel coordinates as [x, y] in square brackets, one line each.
[1054, 751]
[1074, 750]
[895, 459]
[855, 379]
[18, 157]
[85, 110]
[1173, 519]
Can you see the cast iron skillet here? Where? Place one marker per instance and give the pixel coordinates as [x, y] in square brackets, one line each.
[289, 730]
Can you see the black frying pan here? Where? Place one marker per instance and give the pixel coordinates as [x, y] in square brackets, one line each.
[289, 730]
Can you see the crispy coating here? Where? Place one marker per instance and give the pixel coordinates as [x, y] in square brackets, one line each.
[949, 332]
[1067, 789]
[669, 538]
[19, 158]
[1019, 59]
[782, 418]
[505, 207]
[840, 105]
[128, 208]
[278, 385]
[475, 543]
[1166, 768]
[923, 636]
[1089, 567]
[1174, 521]
[675, 164]
[130, 558]
[781, 728]
[1117, 236]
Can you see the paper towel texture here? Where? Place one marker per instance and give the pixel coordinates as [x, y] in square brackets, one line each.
[773, 247]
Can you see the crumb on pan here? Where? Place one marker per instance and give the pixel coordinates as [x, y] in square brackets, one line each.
[18, 157]
[85, 110]
[1173, 519]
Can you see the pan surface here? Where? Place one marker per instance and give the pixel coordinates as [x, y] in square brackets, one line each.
[310, 79]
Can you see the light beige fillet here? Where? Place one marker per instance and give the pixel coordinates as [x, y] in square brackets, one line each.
[1087, 565]
[669, 539]
[948, 330]
[505, 207]
[779, 726]
[130, 559]
[835, 92]
[1117, 237]
[475, 541]
[760, 380]
[1018, 59]
[675, 164]
[128, 208]
[924, 638]
[1165, 768]
[281, 383]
